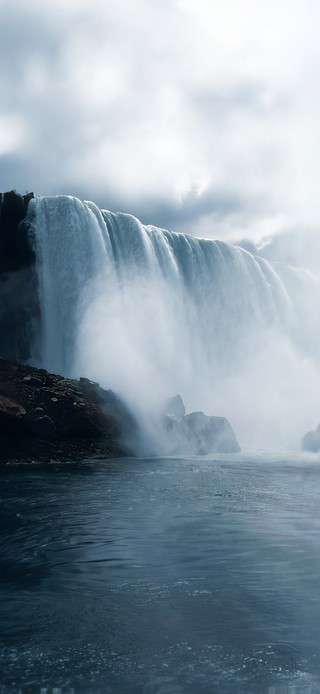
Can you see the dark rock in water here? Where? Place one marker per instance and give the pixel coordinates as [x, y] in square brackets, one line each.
[198, 434]
[211, 434]
[45, 417]
[175, 406]
[311, 441]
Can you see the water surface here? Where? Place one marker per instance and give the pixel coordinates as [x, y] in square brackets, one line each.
[161, 576]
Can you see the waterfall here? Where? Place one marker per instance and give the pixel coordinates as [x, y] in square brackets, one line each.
[149, 313]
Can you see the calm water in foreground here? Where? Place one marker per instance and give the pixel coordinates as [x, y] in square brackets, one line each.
[161, 576]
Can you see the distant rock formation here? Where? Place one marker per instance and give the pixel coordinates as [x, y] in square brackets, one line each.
[196, 433]
[45, 417]
[311, 441]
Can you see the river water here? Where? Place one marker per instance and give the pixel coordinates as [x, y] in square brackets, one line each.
[161, 576]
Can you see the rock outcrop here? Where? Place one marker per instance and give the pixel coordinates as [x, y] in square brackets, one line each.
[15, 249]
[311, 441]
[19, 303]
[46, 417]
[197, 433]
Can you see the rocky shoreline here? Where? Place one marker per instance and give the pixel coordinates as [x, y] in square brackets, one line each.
[47, 418]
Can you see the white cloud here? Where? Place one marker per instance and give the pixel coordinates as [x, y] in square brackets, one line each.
[12, 134]
[197, 114]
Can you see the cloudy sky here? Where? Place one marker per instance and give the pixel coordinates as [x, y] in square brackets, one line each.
[197, 115]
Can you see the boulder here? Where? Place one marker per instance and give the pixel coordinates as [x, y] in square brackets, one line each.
[197, 433]
[11, 408]
[175, 406]
[12, 417]
[311, 441]
[211, 434]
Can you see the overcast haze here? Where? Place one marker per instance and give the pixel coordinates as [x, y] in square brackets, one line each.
[198, 115]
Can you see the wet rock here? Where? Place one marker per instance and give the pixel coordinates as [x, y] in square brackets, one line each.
[19, 301]
[211, 434]
[64, 419]
[33, 381]
[197, 433]
[15, 329]
[10, 407]
[311, 441]
[43, 427]
[15, 249]
[12, 419]
[175, 406]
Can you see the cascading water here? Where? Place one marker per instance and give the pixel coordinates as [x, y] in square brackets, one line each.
[150, 313]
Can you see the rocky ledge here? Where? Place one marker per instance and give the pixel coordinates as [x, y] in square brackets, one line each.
[45, 417]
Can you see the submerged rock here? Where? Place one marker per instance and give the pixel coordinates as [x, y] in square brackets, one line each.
[197, 433]
[47, 417]
[311, 441]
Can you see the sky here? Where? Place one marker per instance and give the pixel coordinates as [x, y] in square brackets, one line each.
[200, 116]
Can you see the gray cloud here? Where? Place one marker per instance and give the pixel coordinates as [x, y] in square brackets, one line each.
[191, 115]
[213, 207]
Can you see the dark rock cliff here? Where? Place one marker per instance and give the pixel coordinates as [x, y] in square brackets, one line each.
[19, 304]
[15, 249]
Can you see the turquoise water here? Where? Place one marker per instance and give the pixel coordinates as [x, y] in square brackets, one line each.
[161, 576]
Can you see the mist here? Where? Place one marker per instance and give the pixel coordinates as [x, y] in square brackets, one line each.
[149, 314]
[270, 394]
